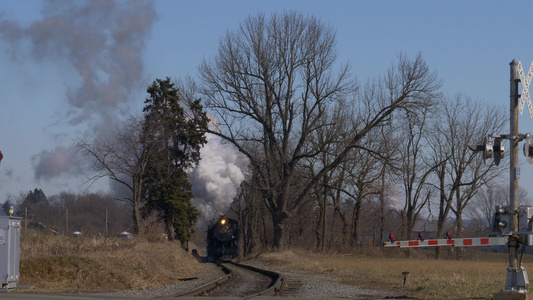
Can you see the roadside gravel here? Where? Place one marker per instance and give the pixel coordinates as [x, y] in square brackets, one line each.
[302, 284]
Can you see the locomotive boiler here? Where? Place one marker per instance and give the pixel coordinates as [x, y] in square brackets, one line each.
[222, 240]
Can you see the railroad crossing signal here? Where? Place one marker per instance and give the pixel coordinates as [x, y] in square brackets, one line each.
[512, 225]
[492, 147]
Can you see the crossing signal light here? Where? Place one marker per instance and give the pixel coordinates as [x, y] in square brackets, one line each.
[492, 147]
[501, 220]
[488, 151]
[499, 151]
[528, 148]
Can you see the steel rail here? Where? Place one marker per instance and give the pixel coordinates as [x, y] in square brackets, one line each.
[275, 284]
[208, 286]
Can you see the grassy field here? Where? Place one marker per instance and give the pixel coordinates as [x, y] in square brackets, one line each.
[479, 276]
[55, 264]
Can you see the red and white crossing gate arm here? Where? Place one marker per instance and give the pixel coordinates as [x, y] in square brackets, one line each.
[463, 242]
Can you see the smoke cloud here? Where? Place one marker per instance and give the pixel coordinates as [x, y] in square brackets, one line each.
[104, 41]
[61, 160]
[217, 177]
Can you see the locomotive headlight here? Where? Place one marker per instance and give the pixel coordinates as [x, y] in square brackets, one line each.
[223, 222]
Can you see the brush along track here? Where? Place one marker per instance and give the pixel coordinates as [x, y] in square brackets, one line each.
[240, 281]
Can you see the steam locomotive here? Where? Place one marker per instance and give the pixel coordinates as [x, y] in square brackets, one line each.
[222, 240]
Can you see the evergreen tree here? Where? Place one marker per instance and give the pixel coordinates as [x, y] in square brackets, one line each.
[34, 202]
[177, 133]
[6, 206]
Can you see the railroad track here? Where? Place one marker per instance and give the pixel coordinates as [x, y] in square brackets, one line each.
[240, 281]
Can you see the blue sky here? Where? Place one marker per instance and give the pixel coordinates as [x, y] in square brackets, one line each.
[468, 43]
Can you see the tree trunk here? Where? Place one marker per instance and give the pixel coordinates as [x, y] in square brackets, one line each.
[136, 219]
[344, 225]
[323, 221]
[403, 225]
[382, 208]
[169, 229]
[410, 222]
[279, 220]
[332, 230]
[136, 191]
[459, 227]
[248, 238]
[317, 229]
[356, 234]
[443, 213]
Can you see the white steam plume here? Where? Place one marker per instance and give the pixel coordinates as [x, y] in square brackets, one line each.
[217, 177]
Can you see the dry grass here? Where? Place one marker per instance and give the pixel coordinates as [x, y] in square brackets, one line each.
[55, 264]
[80, 264]
[479, 277]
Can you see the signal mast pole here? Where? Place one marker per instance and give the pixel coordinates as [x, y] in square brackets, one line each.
[513, 147]
[517, 282]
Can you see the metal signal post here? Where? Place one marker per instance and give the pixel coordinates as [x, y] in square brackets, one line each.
[513, 178]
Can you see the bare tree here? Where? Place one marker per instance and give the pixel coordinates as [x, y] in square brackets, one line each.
[270, 85]
[462, 122]
[363, 178]
[339, 200]
[359, 177]
[414, 169]
[324, 191]
[251, 213]
[121, 157]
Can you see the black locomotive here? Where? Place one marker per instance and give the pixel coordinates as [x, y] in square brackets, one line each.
[222, 240]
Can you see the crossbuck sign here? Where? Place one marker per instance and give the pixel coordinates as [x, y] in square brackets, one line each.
[525, 89]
